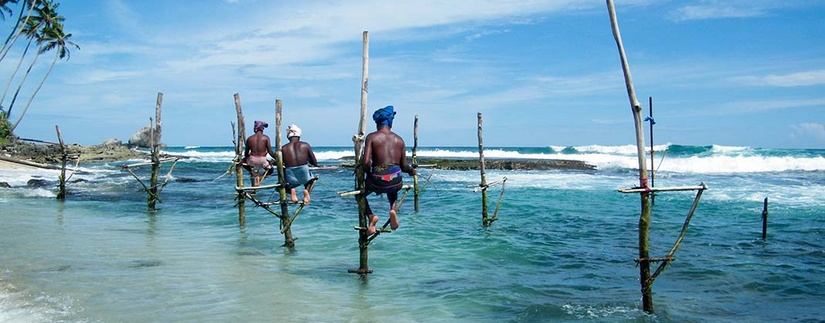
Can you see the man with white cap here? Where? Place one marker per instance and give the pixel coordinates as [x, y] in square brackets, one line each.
[298, 156]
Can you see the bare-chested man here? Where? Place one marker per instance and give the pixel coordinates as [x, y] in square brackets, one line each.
[385, 157]
[298, 156]
[254, 160]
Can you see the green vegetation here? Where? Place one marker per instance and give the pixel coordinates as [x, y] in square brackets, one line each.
[5, 129]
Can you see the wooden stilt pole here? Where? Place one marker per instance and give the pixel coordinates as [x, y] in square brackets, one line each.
[289, 242]
[652, 168]
[765, 220]
[238, 164]
[415, 162]
[644, 218]
[358, 141]
[155, 133]
[61, 189]
[485, 221]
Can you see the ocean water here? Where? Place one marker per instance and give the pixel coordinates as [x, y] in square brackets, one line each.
[562, 249]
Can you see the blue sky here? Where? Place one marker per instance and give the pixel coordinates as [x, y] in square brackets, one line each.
[544, 72]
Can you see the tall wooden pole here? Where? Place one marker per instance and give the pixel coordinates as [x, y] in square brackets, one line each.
[289, 242]
[765, 220]
[415, 162]
[238, 164]
[358, 140]
[644, 218]
[652, 160]
[485, 221]
[155, 135]
[61, 189]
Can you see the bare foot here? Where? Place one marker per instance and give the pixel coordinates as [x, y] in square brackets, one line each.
[393, 219]
[373, 222]
[306, 197]
[256, 181]
[292, 196]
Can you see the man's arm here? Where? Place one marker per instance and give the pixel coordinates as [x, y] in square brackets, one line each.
[367, 158]
[404, 166]
[311, 156]
[269, 148]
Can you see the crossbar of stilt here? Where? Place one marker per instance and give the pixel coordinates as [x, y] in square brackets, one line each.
[701, 186]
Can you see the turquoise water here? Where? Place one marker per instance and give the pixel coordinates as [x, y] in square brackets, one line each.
[562, 249]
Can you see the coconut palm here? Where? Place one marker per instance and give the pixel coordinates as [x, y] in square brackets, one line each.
[27, 8]
[30, 29]
[4, 8]
[44, 16]
[52, 39]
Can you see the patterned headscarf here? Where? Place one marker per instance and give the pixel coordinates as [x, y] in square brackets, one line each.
[260, 125]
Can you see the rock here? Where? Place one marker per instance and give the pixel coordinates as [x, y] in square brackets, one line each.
[112, 142]
[4, 185]
[142, 138]
[37, 182]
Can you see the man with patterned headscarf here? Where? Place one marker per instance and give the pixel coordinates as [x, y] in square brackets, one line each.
[385, 157]
[254, 160]
[298, 156]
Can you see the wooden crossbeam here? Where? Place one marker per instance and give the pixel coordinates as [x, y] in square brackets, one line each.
[701, 186]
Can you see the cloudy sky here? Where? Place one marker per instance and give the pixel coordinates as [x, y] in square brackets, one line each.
[541, 72]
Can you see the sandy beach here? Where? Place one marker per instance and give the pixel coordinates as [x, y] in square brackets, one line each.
[8, 164]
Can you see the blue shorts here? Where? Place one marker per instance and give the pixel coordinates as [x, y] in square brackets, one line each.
[297, 175]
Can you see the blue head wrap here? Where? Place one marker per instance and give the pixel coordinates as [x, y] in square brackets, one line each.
[384, 116]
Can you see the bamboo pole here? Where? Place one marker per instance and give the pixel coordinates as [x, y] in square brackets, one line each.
[484, 220]
[238, 153]
[289, 242]
[644, 218]
[61, 189]
[415, 162]
[765, 219]
[155, 133]
[358, 141]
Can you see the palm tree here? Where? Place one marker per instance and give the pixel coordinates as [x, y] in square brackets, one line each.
[52, 38]
[30, 29]
[15, 32]
[42, 19]
[4, 8]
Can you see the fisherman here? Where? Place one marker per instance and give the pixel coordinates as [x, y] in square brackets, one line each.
[298, 156]
[257, 148]
[384, 160]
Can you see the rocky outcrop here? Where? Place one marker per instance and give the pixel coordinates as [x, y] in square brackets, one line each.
[142, 139]
[49, 153]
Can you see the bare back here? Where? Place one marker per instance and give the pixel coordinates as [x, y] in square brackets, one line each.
[259, 145]
[383, 148]
[297, 153]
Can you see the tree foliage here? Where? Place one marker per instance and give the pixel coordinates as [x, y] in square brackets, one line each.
[39, 24]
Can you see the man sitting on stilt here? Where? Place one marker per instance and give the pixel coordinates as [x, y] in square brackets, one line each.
[298, 156]
[385, 157]
[254, 160]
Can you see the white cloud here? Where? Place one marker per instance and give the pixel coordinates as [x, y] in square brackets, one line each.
[807, 78]
[719, 9]
[815, 130]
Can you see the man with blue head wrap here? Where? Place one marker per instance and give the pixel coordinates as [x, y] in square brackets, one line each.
[384, 116]
[385, 157]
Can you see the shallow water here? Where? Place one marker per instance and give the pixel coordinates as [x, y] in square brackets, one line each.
[562, 250]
